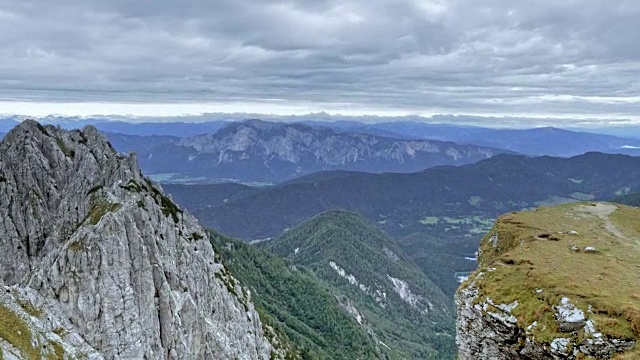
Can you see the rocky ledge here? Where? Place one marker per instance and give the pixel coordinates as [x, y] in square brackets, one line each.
[555, 283]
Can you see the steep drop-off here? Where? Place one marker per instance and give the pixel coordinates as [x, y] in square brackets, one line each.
[555, 283]
[97, 262]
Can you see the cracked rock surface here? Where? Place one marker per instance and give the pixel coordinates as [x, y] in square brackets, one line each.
[110, 259]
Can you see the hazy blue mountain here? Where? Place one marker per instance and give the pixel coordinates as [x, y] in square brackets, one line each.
[629, 131]
[437, 215]
[381, 285]
[177, 129]
[2, 135]
[537, 141]
[7, 123]
[123, 125]
[125, 143]
[631, 199]
[258, 151]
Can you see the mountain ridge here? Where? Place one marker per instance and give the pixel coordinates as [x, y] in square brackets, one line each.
[436, 215]
[261, 151]
[407, 312]
[103, 263]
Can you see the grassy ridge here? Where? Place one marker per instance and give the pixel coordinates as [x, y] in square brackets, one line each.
[539, 257]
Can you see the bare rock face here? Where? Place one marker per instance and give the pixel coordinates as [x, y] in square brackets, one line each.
[125, 272]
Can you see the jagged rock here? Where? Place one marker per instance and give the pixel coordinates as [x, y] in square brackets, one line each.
[111, 257]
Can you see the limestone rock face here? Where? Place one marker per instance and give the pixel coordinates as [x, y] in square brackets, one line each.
[123, 270]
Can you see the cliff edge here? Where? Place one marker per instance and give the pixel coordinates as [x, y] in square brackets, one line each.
[98, 263]
[555, 283]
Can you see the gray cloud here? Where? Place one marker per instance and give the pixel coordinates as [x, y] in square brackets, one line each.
[544, 57]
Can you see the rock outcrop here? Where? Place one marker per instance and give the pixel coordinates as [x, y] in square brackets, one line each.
[103, 264]
[534, 296]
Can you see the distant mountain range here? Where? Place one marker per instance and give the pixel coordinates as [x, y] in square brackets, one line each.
[499, 184]
[262, 153]
[537, 141]
[631, 199]
[258, 151]
[437, 215]
[123, 125]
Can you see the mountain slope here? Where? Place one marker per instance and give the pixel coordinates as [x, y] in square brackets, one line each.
[537, 141]
[490, 187]
[555, 283]
[257, 151]
[632, 199]
[407, 312]
[291, 298]
[139, 144]
[437, 215]
[108, 262]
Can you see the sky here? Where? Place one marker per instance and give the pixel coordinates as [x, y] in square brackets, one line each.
[568, 59]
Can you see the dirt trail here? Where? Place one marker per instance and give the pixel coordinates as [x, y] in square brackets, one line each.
[603, 211]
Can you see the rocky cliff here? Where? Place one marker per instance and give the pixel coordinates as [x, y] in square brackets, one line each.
[555, 283]
[97, 262]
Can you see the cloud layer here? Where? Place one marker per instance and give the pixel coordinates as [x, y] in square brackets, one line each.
[545, 57]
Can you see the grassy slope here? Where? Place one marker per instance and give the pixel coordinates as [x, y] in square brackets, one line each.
[607, 280]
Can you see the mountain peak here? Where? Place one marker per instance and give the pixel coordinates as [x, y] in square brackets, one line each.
[261, 151]
[375, 276]
[99, 248]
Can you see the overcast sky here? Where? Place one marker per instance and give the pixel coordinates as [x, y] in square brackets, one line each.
[560, 58]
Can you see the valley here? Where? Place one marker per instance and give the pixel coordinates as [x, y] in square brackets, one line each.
[437, 215]
[320, 180]
[335, 264]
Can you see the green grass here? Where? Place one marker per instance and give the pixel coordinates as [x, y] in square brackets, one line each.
[100, 208]
[30, 308]
[133, 186]
[65, 150]
[169, 208]
[77, 246]
[525, 259]
[15, 331]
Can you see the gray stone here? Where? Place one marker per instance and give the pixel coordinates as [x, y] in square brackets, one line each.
[569, 317]
[486, 331]
[104, 250]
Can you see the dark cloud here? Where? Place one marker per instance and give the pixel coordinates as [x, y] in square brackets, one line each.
[544, 57]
